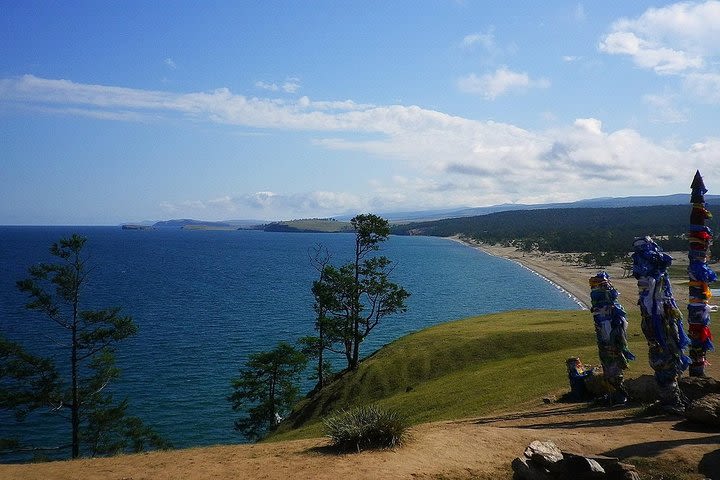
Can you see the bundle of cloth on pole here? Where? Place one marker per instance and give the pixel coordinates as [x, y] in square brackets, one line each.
[611, 331]
[700, 275]
[662, 321]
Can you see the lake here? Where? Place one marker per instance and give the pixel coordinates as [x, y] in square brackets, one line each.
[204, 300]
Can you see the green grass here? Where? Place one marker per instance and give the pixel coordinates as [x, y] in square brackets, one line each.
[318, 225]
[365, 427]
[470, 367]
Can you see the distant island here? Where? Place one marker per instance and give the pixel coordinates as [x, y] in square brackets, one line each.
[304, 225]
[309, 225]
[194, 224]
[133, 226]
[422, 220]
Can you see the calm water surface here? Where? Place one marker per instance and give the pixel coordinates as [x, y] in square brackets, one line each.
[204, 300]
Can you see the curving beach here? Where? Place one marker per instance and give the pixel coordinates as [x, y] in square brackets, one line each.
[573, 278]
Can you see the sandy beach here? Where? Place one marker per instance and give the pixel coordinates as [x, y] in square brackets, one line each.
[573, 278]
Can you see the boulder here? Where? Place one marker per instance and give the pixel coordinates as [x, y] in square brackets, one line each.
[525, 469]
[705, 410]
[608, 463]
[544, 460]
[697, 387]
[614, 468]
[544, 454]
[642, 389]
[580, 468]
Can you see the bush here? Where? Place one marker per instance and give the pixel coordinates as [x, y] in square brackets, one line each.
[365, 427]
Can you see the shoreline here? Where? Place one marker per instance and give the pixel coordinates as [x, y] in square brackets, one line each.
[570, 278]
[547, 275]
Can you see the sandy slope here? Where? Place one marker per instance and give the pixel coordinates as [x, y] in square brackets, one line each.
[472, 448]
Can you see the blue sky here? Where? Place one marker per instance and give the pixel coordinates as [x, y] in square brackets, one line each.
[113, 112]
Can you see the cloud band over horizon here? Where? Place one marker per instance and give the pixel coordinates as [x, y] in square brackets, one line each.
[457, 160]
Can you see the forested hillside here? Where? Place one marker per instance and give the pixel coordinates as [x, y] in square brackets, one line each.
[605, 234]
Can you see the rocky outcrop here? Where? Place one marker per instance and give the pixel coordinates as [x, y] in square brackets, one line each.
[545, 461]
[644, 389]
[695, 388]
[705, 410]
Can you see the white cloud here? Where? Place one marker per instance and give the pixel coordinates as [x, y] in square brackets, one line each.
[170, 63]
[650, 55]
[500, 82]
[663, 109]
[290, 85]
[273, 87]
[270, 205]
[485, 40]
[590, 125]
[447, 160]
[670, 40]
[486, 44]
[705, 87]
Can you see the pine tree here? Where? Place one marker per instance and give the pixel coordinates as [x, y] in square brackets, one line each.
[88, 339]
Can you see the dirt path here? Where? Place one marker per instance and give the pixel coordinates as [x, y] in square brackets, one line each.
[472, 448]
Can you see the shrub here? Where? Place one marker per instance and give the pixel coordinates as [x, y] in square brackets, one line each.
[365, 427]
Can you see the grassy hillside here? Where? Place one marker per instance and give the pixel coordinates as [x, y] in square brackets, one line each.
[469, 367]
[318, 225]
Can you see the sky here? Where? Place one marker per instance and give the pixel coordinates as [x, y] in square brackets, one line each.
[124, 111]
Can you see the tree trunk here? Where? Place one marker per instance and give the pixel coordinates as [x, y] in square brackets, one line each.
[356, 310]
[348, 353]
[75, 407]
[321, 379]
[273, 413]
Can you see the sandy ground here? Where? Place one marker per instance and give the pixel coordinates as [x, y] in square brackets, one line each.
[472, 448]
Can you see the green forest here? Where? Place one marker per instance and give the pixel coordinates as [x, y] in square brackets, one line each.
[602, 235]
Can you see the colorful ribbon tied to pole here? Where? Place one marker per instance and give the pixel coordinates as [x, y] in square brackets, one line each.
[611, 331]
[700, 275]
[662, 322]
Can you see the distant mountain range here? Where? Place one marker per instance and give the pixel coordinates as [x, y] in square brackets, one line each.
[605, 202]
[439, 214]
[189, 222]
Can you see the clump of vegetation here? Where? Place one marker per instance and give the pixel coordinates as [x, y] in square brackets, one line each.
[366, 427]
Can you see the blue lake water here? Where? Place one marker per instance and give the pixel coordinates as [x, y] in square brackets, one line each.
[204, 300]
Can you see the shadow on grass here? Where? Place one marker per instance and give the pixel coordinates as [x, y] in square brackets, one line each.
[688, 426]
[566, 411]
[634, 414]
[328, 450]
[652, 449]
[709, 465]
[333, 450]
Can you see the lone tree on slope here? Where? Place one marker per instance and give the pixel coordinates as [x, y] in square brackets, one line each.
[88, 338]
[355, 297]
